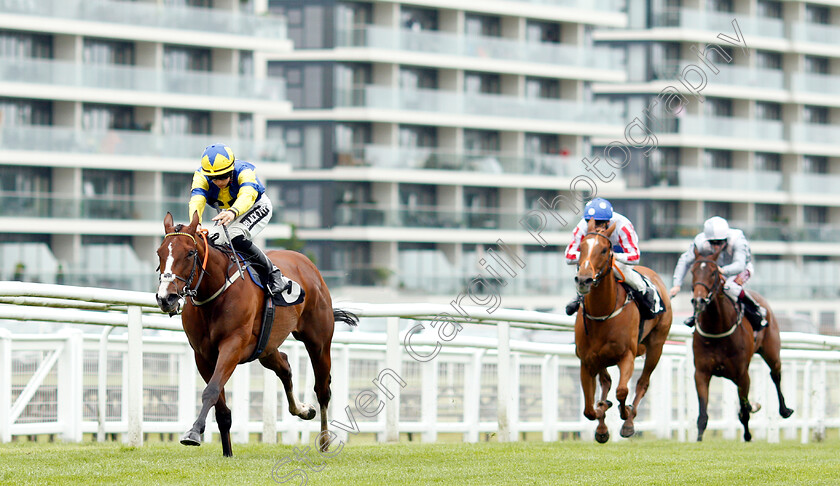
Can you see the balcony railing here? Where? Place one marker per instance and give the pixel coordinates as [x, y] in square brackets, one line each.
[131, 143]
[816, 83]
[139, 79]
[211, 21]
[431, 158]
[485, 47]
[729, 179]
[730, 127]
[754, 232]
[815, 183]
[819, 33]
[727, 74]
[815, 133]
[719, 22]
[426, 217]
[426, 100]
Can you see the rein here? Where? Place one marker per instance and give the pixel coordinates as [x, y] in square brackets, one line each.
[711, 292]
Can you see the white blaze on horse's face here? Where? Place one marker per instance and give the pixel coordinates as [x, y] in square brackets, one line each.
[166, 276]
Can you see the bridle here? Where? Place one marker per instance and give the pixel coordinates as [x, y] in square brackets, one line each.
[616, 310]
[710, 294]
[186, 290]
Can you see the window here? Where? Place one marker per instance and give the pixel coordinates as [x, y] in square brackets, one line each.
[716, 208]
[176, 58]
[16, 112]
[417, 19]
[106, 194]
[25, 191]
[481, 141]
[418, 78]
[541, 143]
[548, 32]
[189, 3]
[816, 65]
[308, 26]
[418, 136]
[768, 213]
[721, 5]
[353, 15]
[108, 117]
[542, 88]
[768, 162]
[769, 8]
[186, 122]
[99, 51]
[768, 111]
[814, 164]
[817, 14]
[718, 159]
[816, 114]
[720, 107]
[18, 45]
[768, 60]
[482, 83]
[482, 25]
[246, 63]
[352, 135]
[815, 214]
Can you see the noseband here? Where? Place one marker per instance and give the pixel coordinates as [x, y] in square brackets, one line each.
[603, 272]
[710, 291]
[186, 291]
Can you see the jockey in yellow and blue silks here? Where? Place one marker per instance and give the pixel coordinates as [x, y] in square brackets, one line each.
[232, 186]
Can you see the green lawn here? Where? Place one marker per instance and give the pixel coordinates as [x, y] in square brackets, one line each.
[716, 462]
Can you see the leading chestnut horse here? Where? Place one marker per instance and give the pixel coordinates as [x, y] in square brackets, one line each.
[222, 318]
[724, 342]
[607, 332]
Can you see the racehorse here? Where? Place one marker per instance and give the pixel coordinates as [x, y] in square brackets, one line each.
[607, 332]
[724, 342]
[222, 318]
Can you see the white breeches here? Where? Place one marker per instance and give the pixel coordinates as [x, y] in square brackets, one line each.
[732, 289]
[633, 278]
[249, 224]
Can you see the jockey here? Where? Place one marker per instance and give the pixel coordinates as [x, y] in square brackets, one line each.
[735, 264]
[625, 246]
[232, 185]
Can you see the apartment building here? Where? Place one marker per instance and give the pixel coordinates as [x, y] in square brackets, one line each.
[105, 108]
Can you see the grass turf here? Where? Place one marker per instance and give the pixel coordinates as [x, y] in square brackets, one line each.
[715, 461]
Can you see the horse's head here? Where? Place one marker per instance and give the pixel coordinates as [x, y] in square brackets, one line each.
[705, 280]
[595, 261]
[179, 263]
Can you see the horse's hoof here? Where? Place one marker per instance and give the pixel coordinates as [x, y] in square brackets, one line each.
[605, 403]
[602, 438]
[309, 414]
[786, 412]
[627, 430]
[191, 438]
[747, 437]
[755, 407]
[699, 438]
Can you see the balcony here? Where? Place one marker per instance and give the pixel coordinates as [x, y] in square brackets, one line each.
[814, 183]
[139, 79]
[719, 22]
[129, 143]
[816, 233]
[728, 179]
[204, 20]
[422, 158]
[818, 33]
[436, 101]
[729, 127]
[425, 217]
[728, 75]
[816, 83]
[815, 133]
[483, 47]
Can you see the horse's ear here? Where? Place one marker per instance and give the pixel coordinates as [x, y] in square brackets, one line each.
[610, 230]
[696, 253]
[590, 226]
[168, 223]
[194, 222]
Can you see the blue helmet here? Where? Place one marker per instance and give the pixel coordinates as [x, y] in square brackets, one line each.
[599, 208]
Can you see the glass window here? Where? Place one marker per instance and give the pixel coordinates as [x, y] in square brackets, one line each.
[353, 15]
[721, 5]
[18, 45]
[418, 78]
[186, 122]
[717, 159]
[768, 111]
[16, 112]
[816, 65]
[541, 143]
[418, 19]
[105, 193]
[542, 88]
[481, 141]
[108, 117]
[816, 114]
[100, 51]
[815, 164]
[482, 83]
[482, 25]
[718, 107]
[768, 60]
[177, 58]
[815, 214]
[817, 14]
[717, 208]
[765, 161]
[413, 195]
[542, 32]
[246, 63]
[769, 8]
[418, 136]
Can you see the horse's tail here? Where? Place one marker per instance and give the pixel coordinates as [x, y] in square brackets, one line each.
[346, 317]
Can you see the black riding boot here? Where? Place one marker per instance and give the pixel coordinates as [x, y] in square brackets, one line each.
[573, 306]
[646, 302]
[753, 312]
[272, 277]
[689, 322]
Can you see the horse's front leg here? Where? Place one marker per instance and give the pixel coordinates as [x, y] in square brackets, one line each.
[745, 406]
[228, 357]
[625, 368]
[602, 432]
[587, 383]
[701, 383]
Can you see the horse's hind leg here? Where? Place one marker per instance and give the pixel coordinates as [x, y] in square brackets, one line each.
[319, 355]
[652, 355]
[278, 362]
[223, 419]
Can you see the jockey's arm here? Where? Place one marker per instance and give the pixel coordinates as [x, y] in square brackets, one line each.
[198, 196]
[248, 194]
[629, 242]
[686, 259]
[573, 250]
[739, 260]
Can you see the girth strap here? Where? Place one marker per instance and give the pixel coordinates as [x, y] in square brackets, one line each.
[265, 330]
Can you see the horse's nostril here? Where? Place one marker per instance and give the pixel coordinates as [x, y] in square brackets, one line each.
[576, 279]
[693, 301]
[588, 281]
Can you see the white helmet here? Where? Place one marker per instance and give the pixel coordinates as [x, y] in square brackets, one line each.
[716, 228]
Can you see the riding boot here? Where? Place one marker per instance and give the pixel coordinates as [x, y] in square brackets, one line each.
[754, 313]
[275, 282]
[689, 322]
[573, 305]
[646, 302]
